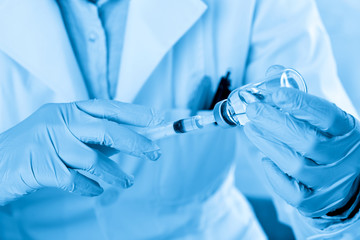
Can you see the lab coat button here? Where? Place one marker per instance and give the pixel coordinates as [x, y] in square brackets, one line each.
[92, 37]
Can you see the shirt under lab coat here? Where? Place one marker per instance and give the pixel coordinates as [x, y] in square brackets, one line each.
[96, 33]
[169, 47]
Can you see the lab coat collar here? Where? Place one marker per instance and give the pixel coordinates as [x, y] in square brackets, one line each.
[33, 34]
[153, 27]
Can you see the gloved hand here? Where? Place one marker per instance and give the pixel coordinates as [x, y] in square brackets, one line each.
[47, 148]
[312, 149]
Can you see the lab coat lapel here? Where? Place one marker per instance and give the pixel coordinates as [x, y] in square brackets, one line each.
[153, 27]
[33, 34]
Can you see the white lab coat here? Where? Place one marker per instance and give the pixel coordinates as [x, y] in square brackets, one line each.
[169, 47]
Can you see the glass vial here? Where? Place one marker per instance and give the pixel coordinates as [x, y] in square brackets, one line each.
[232, 111]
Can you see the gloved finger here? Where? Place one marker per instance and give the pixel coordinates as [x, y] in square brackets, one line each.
[77, 155]
[110, 172]
[310, 202]
[290, 190]
[103, 132]
[329, 197]
[288, 161]
[119, 112]
[297, 134]
[81, 185]
[318, 112]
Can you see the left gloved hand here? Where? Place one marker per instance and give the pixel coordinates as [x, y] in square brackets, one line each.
[59, 141]
[313, 150]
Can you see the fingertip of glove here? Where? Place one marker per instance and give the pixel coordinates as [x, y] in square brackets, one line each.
[98, 191]
[128, 181]
[153, 155]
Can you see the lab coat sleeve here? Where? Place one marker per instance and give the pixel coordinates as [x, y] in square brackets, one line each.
[290, 33]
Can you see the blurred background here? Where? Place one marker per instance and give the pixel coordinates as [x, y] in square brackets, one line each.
[342, 20]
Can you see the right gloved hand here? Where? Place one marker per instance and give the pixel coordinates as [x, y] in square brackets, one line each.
[47, 148]
[313, 152]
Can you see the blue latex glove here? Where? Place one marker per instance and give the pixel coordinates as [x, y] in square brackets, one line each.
[312, 149]
[47, 148]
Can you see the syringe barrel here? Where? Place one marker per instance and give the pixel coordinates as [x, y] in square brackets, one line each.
[183, 125]
[232, 111]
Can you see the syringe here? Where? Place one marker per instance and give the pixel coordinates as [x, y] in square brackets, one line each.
[232, 111]
[177, 127]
